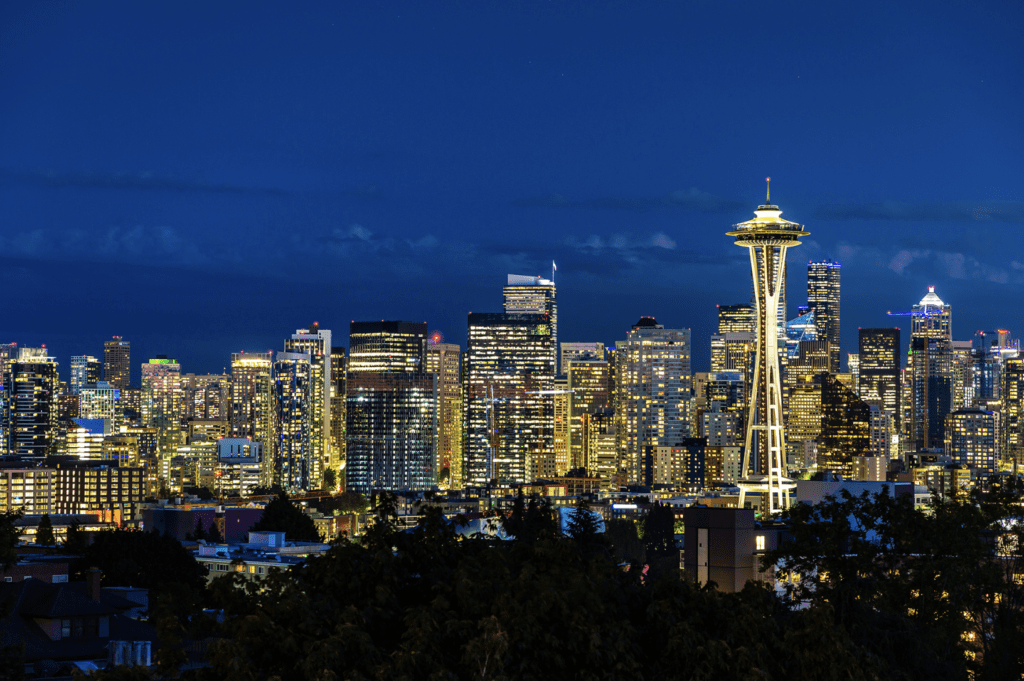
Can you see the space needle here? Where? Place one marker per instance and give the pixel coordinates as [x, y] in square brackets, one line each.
[767, 237]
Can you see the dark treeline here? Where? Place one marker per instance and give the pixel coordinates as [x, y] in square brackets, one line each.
[426, 604]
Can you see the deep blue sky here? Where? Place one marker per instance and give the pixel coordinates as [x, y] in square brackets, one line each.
[203, 178]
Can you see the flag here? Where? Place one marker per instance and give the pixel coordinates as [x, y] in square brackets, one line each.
[554, 268]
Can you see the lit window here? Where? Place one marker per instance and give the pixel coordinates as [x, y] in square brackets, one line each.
[759, 542]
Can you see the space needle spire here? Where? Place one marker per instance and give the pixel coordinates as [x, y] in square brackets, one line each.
[766, 237]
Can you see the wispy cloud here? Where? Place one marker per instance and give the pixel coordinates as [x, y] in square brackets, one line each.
[156, 246]
[686, 198]
[134, 180]
[988, 211]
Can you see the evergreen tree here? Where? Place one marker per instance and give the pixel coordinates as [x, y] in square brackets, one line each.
[582, 525]
[44, 533]
[199, 533]
[282, 515]
[76, 542]
[8, 538]
[213, 535]
[330, 479]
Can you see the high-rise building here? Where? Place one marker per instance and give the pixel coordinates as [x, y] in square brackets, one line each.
[733, 351]
[823, 298]
[735, 319]
[387, 346]
[930, 363]
[162, 398]
[655, 385]
[1012, 410]
[391, 431]
[85, 370]
[254, 405]
[879, 370]
[443, 361]
[509, 374]
[545, 467]
[533, 295]
[117, 362]
[989, 352]
[296, 420]
[31, 385]
[971, 439]
[845, 428]
[599, 442]
[571, 351]
[805, 380]
[767, 237]
[339, 383]
[100, 401]
[206, 396]
[316, 342]
[589, 391]
[801, 328]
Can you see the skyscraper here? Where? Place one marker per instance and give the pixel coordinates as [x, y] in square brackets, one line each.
[971, 440]
[253, 405]
[339, 391]
[443, 361]
[735, 319]
[589, 385]
[85, 370]
[31, 385]
[879, 370]
[533, 295]
[162, 403]
[316, 342]
[1011, 394]
[766, 237]
[823, 298]
[930, 364]
[117, 363]
[509, 373]
[845, 428]
[391, 431]
[571, 351]
[387, 346]
[296, 420]
[655, 384]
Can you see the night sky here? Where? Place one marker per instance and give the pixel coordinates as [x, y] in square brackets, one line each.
[203, 178]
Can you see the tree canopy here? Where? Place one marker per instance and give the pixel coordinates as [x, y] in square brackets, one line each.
[283, 515]
[44, 533]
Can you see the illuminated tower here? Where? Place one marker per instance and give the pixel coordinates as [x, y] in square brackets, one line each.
[767, 237]
[316, 342]
[253, 406]
[444, 361]
[930, 362]
[162, 402]
[823, 298]
[85, 370]
[117, 362]
[534, 295]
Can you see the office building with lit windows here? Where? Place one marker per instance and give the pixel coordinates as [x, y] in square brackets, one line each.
[524, 294]
[823, 280]
[391, 431]
[316, 343]
[387, 346]
[85, 370]
[508, 388]
[879, 370]
[971, 439]
[31, 386]
[589, 390]
[655, 384]
[444, 362]
[930, 363]
[339, 378]
[162, 398]
[296, 421]
[1011, 394]
[117, 355]
[735, 318]
[845, 428]
[254, 404]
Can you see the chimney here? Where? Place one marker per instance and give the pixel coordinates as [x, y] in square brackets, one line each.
[92, 579]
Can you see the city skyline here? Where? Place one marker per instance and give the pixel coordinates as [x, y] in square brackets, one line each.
[163, 175]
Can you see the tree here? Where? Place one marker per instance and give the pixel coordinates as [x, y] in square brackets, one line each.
[660, 541]
[9, 535]
[282, 515]
[144, 559]
[330, 479]
[44, 533]
[199, 533]
[213, 535]
[76, 542]
[582, 526]
[627, 547]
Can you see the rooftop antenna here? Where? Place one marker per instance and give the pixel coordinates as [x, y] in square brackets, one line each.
[768, 180]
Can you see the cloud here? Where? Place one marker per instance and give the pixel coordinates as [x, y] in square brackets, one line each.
[156, 246]
[142, 181]
[989, 211]
[688, 198]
